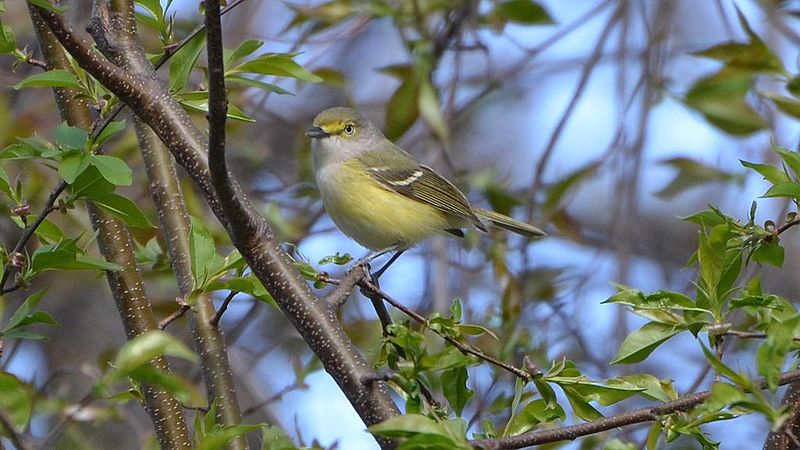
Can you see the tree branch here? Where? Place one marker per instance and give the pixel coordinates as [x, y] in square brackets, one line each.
[115, 22]
[314, 319]
[115, 244]
[571, 432]
[372, 290]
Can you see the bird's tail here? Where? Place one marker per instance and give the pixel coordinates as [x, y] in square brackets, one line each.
[521, 228]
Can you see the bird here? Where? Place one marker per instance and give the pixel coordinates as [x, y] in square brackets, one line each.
[380, 196]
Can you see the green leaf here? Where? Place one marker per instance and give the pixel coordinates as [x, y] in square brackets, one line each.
[108, 132]
[559, 190]
[720, 367]
[428, 104]
[407, 426]
[27, 314]
[751, 56]
[249, 285]
[113, 169]
[402, 110]
[653, 388]
[198, 101]
[708, 217]
[639, 344]
[716, 263]
[8, 43]
[66, 255]
[279, 64]
[90, 184]
[5, 185]
[580, 406]
[722, 395]
[792, 159]
[273, 438]
[246, 48]
[180, 388]
[183, 61]
[143, 348]
[52, 78]
[720, 98]
[153, 7]
[789, 190]
[45, 4]
[123, 208]
[221, 436]
[533, 414]
[691, 173]
[73, 164]
[523, 11]
[770, 173]
[788, 105]
[771, 355]
[258, 84]
[454, 387]
[203, 253]
[769, 253]
[70, 138]
[16, 400]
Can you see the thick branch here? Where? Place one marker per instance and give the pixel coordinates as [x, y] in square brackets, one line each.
[313, 318]
[116, 246]
[572, 432]
[115, 22]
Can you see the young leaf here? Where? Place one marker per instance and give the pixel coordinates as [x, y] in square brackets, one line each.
[273, 438]
[454, 386]
[406, 426]
[183, 61]
[639, 344]
[770, 173]
[532, 414]
[52, 78]
[428, 104]
[792, 159]
[70, 138]
[217, 438]
[280, 64]
[66, 255]
[8, 43]
[402, 109]
[27, 314]
[123, 208]
[16, 400]
[143, 348]
[72, 165]
[113, 169]
[523, 11]
[108, 132]
[771, 355]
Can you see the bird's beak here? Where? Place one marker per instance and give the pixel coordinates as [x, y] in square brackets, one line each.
[316, 133]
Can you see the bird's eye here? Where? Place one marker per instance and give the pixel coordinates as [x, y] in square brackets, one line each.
[349, 129]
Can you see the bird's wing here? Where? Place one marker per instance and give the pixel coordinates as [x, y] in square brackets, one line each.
[422, 184]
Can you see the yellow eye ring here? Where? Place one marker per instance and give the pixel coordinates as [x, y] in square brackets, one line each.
[349, 129]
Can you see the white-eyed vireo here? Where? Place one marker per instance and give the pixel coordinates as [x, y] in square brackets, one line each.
[380, 196]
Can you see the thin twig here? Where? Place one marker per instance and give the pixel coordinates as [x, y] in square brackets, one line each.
[177, 314]
[85, 401]
[30, 230]
[274, 397]
[224, 307]
[571, 432]
[371, 288]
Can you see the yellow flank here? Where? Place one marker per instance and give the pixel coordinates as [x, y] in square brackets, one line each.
[378, 218]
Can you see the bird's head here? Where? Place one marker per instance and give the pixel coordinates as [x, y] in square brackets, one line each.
[343, 133]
